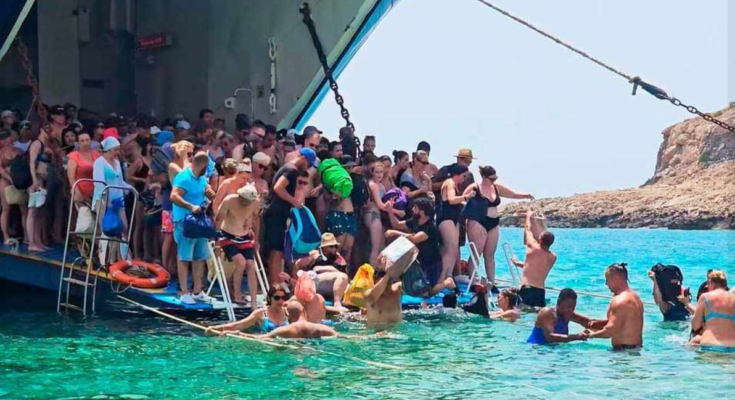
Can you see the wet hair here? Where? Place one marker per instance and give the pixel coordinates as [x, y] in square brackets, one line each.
[566, 294]
[399, 154]
[618, 269]
[277, 288]
[426, 205]
[512, 295]
[717, 277]
[546, 239]
[205, 111]
[425, 146]
[487, 171]
[456, 169]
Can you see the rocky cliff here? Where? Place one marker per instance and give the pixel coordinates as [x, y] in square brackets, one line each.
[693, 187]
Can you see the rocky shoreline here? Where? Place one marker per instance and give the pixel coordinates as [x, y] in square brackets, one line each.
[693, 187]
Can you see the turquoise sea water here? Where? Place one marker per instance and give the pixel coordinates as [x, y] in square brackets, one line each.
[447, 355]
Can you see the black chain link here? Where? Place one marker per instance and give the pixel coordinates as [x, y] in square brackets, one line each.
[306, 12]
[33, 83]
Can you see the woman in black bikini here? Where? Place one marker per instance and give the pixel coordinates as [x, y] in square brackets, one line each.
[483, 217]
[448, 217]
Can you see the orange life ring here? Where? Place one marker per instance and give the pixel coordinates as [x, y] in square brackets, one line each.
[117, 270]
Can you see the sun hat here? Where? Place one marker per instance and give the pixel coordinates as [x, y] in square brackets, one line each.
[248, 192]
[183, 125]
[244, 167]
[465, 153]
[328, 240]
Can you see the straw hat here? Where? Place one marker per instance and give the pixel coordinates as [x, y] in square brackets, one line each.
[328, 240]
[465, 153]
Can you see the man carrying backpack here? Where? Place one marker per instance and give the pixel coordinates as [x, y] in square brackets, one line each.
[667, 281]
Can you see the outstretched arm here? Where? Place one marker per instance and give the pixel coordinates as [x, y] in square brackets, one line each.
[546, 322]
[254, 318]
[373, 294]
[509, 193]
[528, 238]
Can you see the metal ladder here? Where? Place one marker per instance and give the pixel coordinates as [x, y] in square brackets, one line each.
[77, 281]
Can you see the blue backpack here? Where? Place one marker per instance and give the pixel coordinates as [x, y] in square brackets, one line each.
[303, 233]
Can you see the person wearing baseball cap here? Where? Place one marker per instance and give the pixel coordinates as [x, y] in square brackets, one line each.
[58, 117]
[278, 207]
[235, 218]
[261, 165]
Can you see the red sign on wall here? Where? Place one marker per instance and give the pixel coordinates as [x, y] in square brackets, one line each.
[154, 41]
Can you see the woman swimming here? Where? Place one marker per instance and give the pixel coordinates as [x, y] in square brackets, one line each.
[715, 314]
[508, 302]
[483, 216]
[267, 318]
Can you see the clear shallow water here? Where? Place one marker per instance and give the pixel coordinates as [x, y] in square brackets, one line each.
[447, 355]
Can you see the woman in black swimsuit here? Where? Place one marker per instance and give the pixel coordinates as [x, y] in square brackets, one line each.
[483, 217]
[448, 217]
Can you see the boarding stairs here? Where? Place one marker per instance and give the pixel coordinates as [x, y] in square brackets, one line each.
[83, 273]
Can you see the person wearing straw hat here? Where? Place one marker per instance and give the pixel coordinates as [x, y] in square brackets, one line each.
[329, 266]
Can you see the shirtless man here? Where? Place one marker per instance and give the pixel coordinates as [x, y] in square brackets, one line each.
[300, 327]
[624, 323]
[383, 301]
[230, 186]
[235, 219]
[536, 267]
[552, 325]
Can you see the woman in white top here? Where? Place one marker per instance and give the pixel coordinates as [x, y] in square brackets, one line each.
[107, 169]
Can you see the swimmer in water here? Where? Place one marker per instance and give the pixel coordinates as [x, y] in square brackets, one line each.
[268, 318]
[508, 301]
[624, 323]
[552, 325]
[715, 314]
[301, 328]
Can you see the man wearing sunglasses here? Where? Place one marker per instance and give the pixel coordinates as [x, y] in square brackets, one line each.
[624, 322]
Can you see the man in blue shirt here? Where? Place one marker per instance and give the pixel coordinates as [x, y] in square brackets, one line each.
[190, 191]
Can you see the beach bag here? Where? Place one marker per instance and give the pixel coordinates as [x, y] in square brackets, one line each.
[400, 200]
[361, 283]
[199, 226]
[335, 178]
[415, 282]
[398, 256]
[14, 196]
[85, 220]
[538, 223]
[360, 191]
[305, 289]
[112, 225]
[669, 279]
[303, 233]
[20, 171]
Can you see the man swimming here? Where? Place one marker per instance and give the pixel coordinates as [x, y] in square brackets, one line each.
[552, 325]
[301, 328]
[536, 267]
[624, 323]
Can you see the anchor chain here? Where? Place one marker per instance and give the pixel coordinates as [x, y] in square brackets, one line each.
[306, 12]
[33, 83]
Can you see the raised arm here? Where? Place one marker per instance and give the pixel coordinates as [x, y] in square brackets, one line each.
[394, 222]
[254, 318]
[528, 238]
[449, 187]
[373, 294]
[662, 305]
[509, 193]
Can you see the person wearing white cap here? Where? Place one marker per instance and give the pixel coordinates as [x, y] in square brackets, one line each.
[231, 185]
[261, 164]
[235, 218]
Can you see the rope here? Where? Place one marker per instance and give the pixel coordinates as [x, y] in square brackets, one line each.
[597, 295]
[635, 81]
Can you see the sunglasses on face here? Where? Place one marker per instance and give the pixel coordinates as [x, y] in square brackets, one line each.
[281, 298]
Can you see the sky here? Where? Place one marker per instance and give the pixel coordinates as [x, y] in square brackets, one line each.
[460, 75]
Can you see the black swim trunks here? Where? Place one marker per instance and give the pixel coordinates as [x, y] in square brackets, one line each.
[233, 245]
[275, 221]
[622, 347]
[532, 296]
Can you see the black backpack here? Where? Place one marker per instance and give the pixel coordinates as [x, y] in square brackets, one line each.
[360, 191]
[159, 161]
[20, 171]
[478, 303]
[669, 280]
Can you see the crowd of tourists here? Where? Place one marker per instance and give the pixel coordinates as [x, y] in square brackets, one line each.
[258, 185]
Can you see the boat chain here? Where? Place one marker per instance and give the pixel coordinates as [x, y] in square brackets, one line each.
[33, 83]
[636, 81]
[309, 22]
